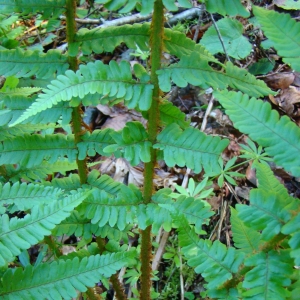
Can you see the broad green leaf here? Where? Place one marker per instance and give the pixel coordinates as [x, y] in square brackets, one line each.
[223, 7]
[284, 32]
[236, 45]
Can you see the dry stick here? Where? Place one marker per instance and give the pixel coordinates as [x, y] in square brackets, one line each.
[136, 18]
[198, 23]
[220, 37]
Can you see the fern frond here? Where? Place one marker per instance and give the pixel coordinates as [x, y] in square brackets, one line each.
[190, 147]
[112, 80]
[111, 201]
[192, 69]
[95, 143]
[269, 277]
[170, 114]
[61, 279]
[26, 196]
[279, 136]
[284, 32]
[68, 184]
[132, 143]
[80, 226]
[28, 63]
[17, 104]
[266, 212]
[293, 228]
[25, 91]
[125, 6]
[48, 7]
[40, 171]
[20, 129]
[223, 7]
[101, 40]
[31, 150]
[213, 261]
[245, 238]
[18, 234]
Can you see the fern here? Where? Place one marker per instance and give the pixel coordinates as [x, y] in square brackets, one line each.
[264, 281]
[279, 136]
[60, 280]
[17, 104]
[26, 64]
[212, 260]
[30, 150]
[266, 212]
[245, 238]
[192, 69]
[18, 195]
[285, 35]
[48, 7]
[132, 142]
[40, 171]
[190, 147]
[113, 80]
[223, 7]
[18, 234]
[95, 143]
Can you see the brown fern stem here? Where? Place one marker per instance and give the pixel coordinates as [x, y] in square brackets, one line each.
[156, 45]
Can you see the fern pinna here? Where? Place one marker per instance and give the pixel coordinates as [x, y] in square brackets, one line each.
[42, 134]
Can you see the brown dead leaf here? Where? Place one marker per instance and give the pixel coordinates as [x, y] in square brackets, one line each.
[289, 100]
[215, 202]
[118, 122]
[280, 80]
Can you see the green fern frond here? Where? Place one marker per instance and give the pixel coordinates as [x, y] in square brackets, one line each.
[293, 228]
[20, 130]
[266, 212]
[213, 261]
[18, 234]
[106, 40]
[125, 6]
[68, 184]
[48, 7]
[111, 201]
[17, 104]
[26, 196]
[284, 32]
[25, 91]
[245, 238]
[132, 143]
[190, 147]
[265, 281]
[31, 150]
[95, 143]
[61, 279]
[40, 171]
[192, 69]
[223, 7]
[101, 40]
[170, 114]
[28, 63]
[81, 226]
[111, 80]
[279, 136]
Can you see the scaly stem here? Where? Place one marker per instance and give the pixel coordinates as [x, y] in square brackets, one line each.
[76, 114]
[156, 46]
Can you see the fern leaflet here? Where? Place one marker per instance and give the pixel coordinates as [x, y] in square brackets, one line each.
[279, 136]
[284, 32]
[26, 64]
[61, 279]
[18, 234]
[31, 150]
[112, 80]
[190, 147]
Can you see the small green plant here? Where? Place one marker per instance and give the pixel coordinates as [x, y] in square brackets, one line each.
[42, 134]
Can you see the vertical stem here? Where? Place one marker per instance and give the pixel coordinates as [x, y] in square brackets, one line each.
[76, 113]
[156, 46]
